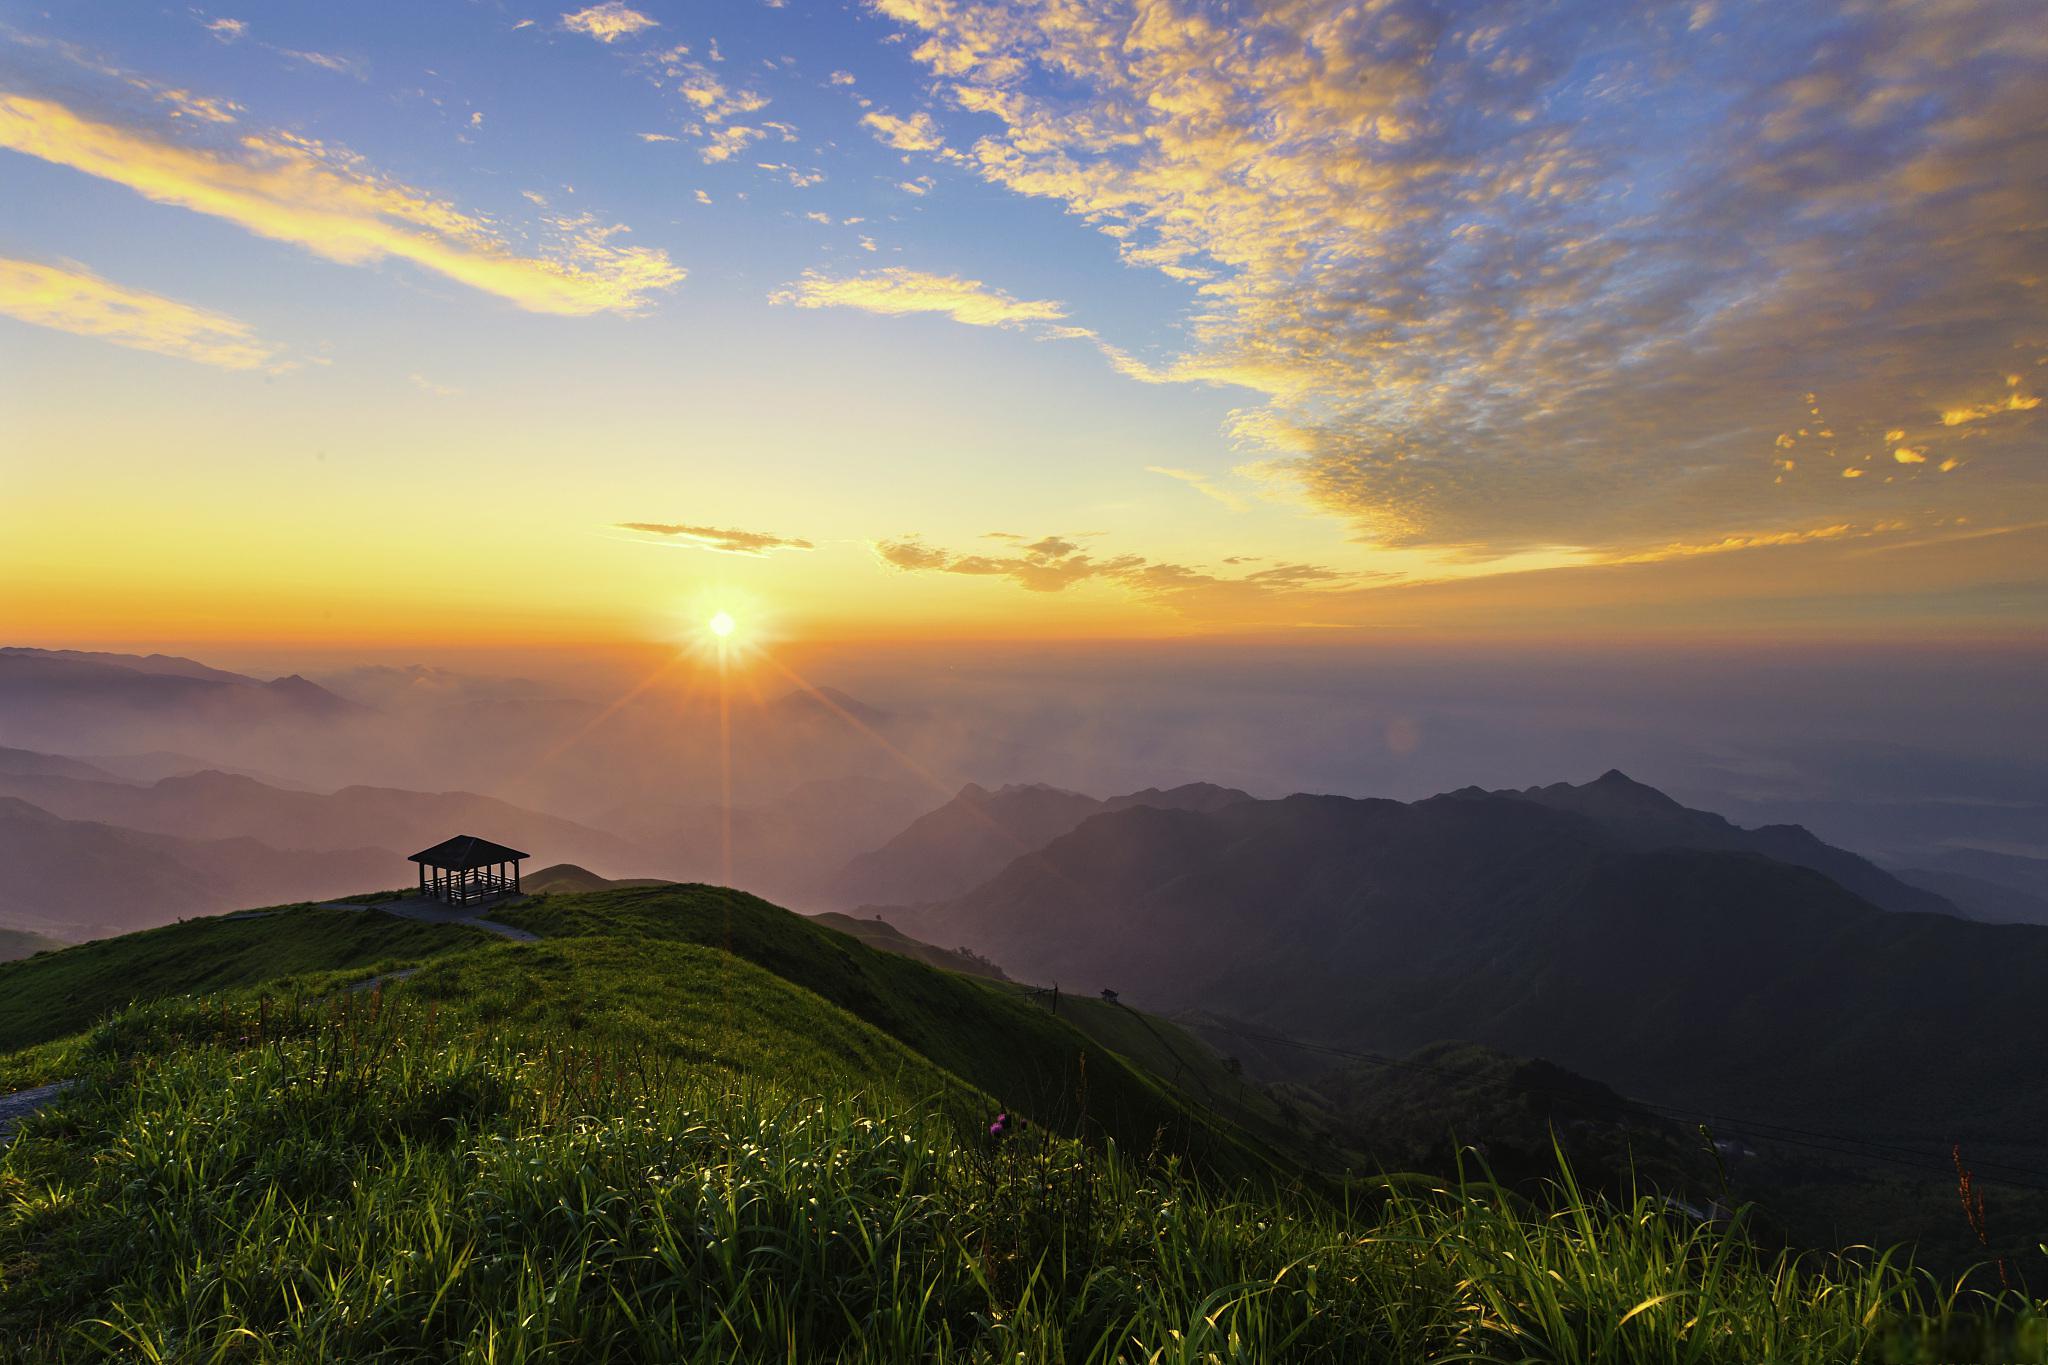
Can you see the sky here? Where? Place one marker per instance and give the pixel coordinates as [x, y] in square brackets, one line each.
[493, 323]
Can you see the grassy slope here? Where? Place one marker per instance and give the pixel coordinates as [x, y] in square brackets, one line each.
[987, 1035]
[56, 994]
[878, 933]
[602, 1149]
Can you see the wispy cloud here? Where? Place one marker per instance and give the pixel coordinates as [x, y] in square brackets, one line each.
[897, 290]
[1056, 563]
[608, 22]
[1507, 277]
[722, 539]
[1202, 484]
[329, 201]
[918, 133]
[73, 299]
[326, 61]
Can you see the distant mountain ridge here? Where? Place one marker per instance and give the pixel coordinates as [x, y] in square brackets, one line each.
[1522, 924]
[972, 837]
[90, 877]
[216, 805]
[1648, 819]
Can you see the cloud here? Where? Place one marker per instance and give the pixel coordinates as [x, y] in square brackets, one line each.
[330, 202]
[325, 61]
[715, 108]
[1201, 484]
[227, 30]
[896, 290]
[918, 133]
[73, 299]
[724, 541]
[1056, 563]
[608, 22]
[1505, 277]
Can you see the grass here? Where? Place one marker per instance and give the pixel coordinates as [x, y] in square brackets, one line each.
[57, 994]
[626, 1143]
[435, 1172]
[983, 1032]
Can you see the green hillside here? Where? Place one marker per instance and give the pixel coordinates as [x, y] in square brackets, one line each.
[987, 1035]
[56, 994]
[687, 1125]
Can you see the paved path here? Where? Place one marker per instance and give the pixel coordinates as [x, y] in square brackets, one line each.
[18, 1106]
[437, 912]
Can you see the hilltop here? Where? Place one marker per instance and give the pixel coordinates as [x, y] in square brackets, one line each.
[689, 1125]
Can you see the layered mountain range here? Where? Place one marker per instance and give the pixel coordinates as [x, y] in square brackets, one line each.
[1602, 926]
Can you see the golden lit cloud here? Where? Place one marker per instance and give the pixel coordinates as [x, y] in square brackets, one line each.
[78, 301]
[1977, 412]
[898, 291]
[1415, 238]
[608, 22]
[1056, 563]
[918, 133]
[723, 540]
[292, 189]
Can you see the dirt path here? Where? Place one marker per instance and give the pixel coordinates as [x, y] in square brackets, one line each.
[18, 1106]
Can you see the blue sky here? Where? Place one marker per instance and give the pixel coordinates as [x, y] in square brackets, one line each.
[1083, 317]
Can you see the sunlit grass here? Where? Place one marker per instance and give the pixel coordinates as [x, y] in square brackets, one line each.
[421, 1176]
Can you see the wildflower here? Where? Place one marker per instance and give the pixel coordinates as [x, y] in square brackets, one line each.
[1000, 1126]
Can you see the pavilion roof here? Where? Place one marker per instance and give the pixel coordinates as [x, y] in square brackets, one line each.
[466, 851]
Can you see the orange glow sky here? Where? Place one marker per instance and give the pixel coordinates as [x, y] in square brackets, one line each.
[356, 326]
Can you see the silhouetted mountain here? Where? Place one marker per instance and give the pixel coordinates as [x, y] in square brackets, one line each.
[110, 703]
[569, 879]
[20, 943]
[2002, 869]
[1698, 975]
[1646, 818]
[972, 837]
[165, 665]
[95, 878]
[1418, 1112]
[1978, 899]
[212, 805]
[28, 763]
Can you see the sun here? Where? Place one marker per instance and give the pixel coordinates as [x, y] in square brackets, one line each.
[722, 624]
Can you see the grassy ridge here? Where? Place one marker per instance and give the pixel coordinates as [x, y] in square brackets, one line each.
[984, 1033]
[447, 1172]
[57, 994]
[626, 1143]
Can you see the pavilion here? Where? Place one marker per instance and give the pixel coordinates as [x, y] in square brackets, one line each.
[467, 868]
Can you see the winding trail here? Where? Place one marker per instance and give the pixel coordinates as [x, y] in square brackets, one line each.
[435, 912]
[18, 1106]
